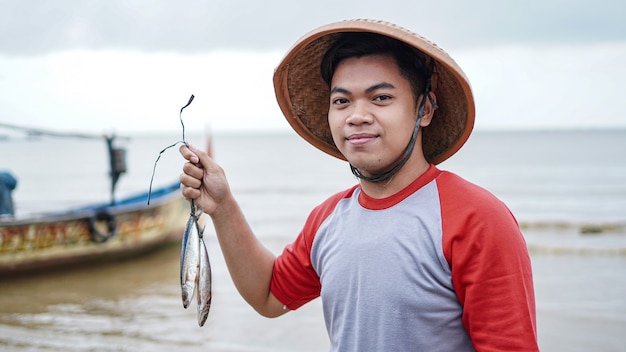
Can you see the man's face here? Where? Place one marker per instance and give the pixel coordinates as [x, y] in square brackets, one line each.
[372, 112]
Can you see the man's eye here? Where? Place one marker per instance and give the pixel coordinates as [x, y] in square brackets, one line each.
[340, 101]
[382, 98]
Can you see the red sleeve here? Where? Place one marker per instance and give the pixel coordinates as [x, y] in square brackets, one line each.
[294, 281]
[491, 268]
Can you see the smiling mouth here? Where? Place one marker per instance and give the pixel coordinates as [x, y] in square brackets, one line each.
[360, 139]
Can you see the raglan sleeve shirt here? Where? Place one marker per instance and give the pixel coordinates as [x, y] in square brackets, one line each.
[483, 246]
[491, 267]
[294, 280]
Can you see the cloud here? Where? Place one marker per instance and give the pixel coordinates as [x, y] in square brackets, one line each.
[196, 26]
[515, 86]
[129, 65]
[140, 92]
[541, 86]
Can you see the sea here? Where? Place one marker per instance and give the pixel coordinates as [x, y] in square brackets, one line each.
[566, 188]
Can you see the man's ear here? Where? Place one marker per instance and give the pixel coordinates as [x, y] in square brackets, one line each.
[429, 110]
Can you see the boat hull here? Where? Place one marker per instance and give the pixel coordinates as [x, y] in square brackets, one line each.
[92, 234]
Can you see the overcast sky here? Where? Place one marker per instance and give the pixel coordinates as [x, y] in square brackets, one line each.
[129, 65]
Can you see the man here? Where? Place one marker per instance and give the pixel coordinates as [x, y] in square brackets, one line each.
[7, 185]
[411, 258]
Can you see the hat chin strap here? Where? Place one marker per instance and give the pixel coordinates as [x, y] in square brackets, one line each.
[407, 152]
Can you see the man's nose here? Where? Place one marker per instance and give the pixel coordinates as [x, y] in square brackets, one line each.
[359, 114]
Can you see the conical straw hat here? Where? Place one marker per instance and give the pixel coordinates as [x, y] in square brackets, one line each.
[303, 95]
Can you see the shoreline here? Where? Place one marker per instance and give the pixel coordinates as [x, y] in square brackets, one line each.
[606, 240]
[585, 228]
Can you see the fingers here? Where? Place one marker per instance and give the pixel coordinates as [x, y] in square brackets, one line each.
[191, 181]
[189, 192]
[191, 176]
[195, 171]
[195, 156]
[188, 154]
[198, 173]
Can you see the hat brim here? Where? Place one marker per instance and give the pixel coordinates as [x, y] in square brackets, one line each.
[303, 96]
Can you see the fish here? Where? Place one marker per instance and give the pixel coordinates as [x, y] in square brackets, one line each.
[183, 247]
[195, 268]
[204, 284]
[190, 257]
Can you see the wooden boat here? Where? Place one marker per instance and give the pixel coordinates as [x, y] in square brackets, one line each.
[93, 233]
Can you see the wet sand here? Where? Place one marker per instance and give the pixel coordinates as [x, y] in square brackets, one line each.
[136, 306]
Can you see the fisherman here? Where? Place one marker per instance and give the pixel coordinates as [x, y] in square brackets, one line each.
[412, 257]
[7, 185]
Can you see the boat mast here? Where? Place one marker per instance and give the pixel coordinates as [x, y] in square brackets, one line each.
[117, 155]
[117, 163]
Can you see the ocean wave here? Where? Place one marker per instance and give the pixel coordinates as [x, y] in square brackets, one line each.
[569, 238]
[586, 228]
